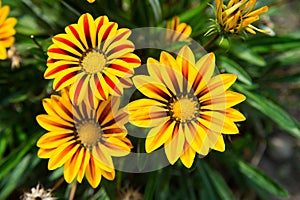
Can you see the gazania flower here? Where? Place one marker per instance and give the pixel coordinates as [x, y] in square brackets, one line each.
[91, 1]
[7, 31]
[38, 193]
[238, 15]
[180, 31]
[81, 138]
[93, 57]
[187, 109]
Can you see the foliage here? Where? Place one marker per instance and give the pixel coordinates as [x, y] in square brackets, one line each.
[230, 175]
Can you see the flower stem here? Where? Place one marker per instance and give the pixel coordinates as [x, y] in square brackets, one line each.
[73, 190]
[207, 45]
[58, 183]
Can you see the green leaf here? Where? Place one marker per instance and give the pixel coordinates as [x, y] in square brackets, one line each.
[260, 179]
[15, 156]
[268, 44]
[219, 184]
[243, 52]
[232, 67]
[270, 109]
[151, 185]
[207, 187]
[192, 13]
[17, 175]
[155, 5]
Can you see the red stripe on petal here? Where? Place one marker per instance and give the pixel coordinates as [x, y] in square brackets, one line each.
[50, 61]
[69, 43]
[74, 31]
[100, 24]
[121, 116]
[197, 81]
[84, 110]
[104, 114]
[112, 85]
[99, 87]
[131, 60]
[121, 47]
[107, 31]
[60, 51]
[90, 96]
[64, 79]
[76, 34]
[58, 69]
[121, 68]
[125, 82]
[78, 89]
[118, 37]
[87, 30]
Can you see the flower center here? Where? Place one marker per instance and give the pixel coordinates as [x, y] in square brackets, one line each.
[184, 109]
[93, 62]
[89, 134]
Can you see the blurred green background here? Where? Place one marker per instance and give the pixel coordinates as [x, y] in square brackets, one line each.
[262, 162]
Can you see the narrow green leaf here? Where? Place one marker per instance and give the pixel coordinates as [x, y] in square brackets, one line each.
[268, 44]
[207, 191]
[232, 67]
[260, 179]
[156, 8]
[15, 177]
[151, 185]
[243, 52]
[192, 13]
[270, 109]
[219, 184]
[15, 156]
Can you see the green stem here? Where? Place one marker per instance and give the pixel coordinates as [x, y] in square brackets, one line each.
[207, 45]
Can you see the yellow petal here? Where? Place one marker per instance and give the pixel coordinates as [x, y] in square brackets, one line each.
[220, 145]
[46, 153]
[102, 157]
[148, 87]
[157, 136]
[206, 67]
[62, 154]
[53, 123]
[117, 147]
[72, 166]
[196, 136]
[187, 158]
[235, 115]
[93, 173]
[147, 113]
[87, 30]
[83, 166]
[108, 175]
[174, 146]
[54, 139]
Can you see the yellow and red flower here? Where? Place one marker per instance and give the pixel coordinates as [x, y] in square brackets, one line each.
[7, 31]
[188, 109]
[93, 57]
[180, 31]
[238, 15]
[83, 138]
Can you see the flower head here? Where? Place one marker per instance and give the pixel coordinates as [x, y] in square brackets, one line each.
[91, 1]
[38, 193]
[7, 31]
[238, 15]
[180, 31]
[82, 138]
[187, 109]
[93, 57]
